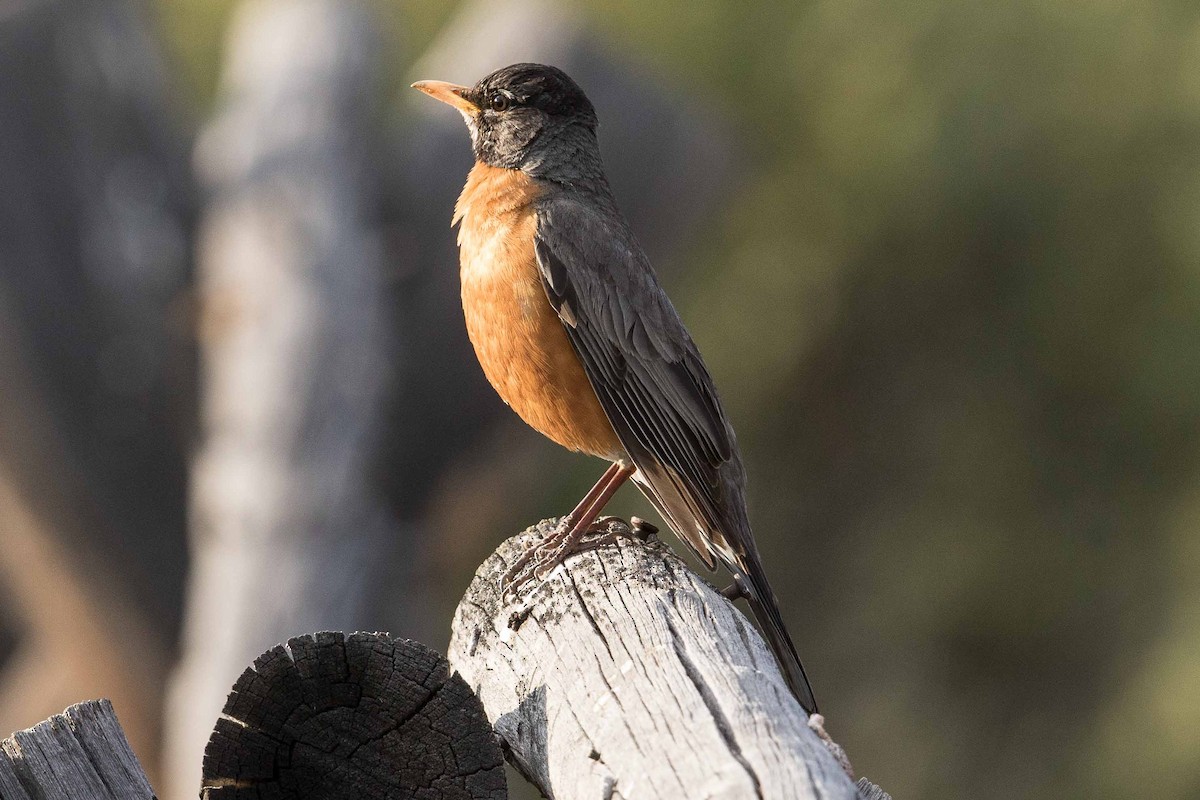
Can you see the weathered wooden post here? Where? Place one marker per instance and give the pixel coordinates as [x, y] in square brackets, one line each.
[80, 754]
[626, 675]
[622, 675]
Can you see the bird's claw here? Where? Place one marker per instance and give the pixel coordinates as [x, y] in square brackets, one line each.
[537, 562]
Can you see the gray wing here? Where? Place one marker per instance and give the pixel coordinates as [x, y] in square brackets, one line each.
[647, 373]
[659, 398]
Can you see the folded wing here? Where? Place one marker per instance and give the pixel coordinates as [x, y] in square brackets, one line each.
[647, 373]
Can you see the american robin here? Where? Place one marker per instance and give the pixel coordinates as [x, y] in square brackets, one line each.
[574, 332]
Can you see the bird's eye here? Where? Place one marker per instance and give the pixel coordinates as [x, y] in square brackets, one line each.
[498, 102]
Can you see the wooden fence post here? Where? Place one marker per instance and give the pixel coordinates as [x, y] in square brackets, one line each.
[626, 675]
[80, 754]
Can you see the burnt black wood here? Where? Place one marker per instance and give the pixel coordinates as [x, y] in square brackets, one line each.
[363, 715]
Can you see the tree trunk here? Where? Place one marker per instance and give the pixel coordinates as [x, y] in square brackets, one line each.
[288, 532]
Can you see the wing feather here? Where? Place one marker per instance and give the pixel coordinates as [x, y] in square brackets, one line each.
[658, 395]
[646, 371]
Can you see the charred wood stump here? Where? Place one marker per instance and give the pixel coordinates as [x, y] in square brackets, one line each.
[362, 715]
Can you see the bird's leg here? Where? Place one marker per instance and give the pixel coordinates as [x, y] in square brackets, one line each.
[552, 550]
[557, 547]
[565, 525]
[589, 499]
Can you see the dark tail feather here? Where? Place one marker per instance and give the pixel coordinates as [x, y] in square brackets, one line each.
[753, 583]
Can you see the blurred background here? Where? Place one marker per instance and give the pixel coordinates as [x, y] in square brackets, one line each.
[943, 259]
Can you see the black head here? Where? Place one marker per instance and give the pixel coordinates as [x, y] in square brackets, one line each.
[526, 116]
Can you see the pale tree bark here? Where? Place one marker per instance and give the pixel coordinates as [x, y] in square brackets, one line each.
[287, 532]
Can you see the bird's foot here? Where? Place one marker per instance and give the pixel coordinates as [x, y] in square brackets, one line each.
[521, 571]
[539, 560]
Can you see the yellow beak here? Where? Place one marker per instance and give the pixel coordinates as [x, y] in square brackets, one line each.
[449, 93]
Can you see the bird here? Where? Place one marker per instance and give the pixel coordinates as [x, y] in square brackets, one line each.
[577, 336]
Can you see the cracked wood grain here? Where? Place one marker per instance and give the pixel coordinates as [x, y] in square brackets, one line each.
[360, 715]
[625, 675]
[80, 753]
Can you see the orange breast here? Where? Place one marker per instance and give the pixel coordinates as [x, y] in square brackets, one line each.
[518, 337]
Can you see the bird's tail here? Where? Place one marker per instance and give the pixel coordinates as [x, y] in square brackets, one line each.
[752, 580]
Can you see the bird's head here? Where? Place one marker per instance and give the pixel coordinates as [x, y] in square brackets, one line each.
[526, 116]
